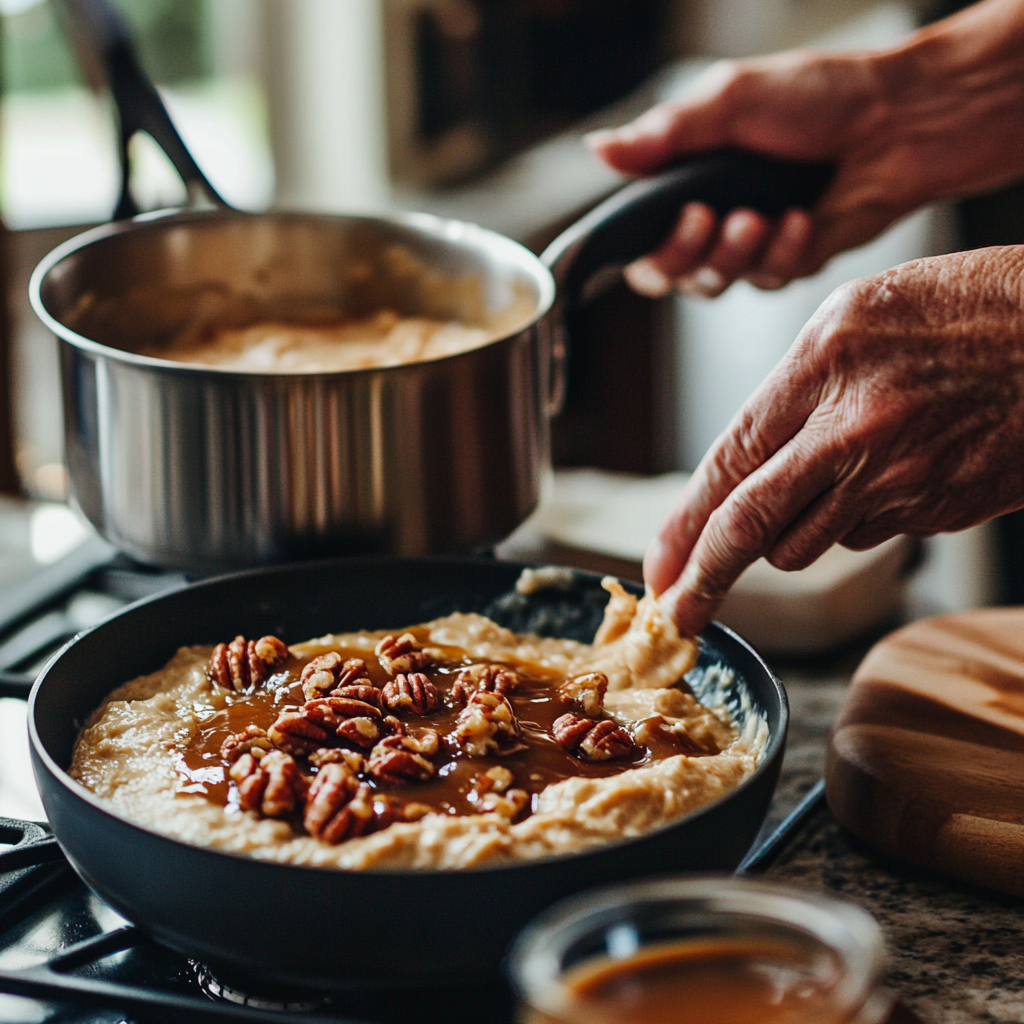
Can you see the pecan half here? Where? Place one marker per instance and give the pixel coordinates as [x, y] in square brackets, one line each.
[244, 663]
[411, 692]
[351, 720]
[397, 759]
[339, 807]
[327, 672]
[486, 725]
[402, 654]
[490, 678]
[361, 732]
[595, 741]
[570, 729]
[272, 785]
[252, 740]
[586, 693]
[297, 732]
[342, 707]
[364, 691]
[606, 741]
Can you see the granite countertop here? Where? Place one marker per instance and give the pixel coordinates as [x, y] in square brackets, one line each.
[956, 953]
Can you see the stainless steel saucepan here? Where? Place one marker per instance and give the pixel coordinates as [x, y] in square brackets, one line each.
[193, 466]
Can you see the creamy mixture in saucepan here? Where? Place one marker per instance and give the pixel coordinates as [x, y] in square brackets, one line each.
[384, 339]
[449, 744]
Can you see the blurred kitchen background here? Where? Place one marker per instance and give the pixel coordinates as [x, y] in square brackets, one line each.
[474, 109]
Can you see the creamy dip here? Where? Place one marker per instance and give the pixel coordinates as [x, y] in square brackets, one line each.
[154, 752]
[384, 339]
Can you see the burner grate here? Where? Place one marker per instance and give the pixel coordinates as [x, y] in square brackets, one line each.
[40, 614]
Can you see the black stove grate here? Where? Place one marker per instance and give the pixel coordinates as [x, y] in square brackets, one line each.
[39, 615]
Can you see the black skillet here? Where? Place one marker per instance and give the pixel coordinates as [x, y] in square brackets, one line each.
[327, 928]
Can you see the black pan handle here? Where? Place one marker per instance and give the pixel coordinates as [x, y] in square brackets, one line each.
[102, 36]
[637, 219]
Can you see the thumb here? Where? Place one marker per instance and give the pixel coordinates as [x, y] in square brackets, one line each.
[691, 125]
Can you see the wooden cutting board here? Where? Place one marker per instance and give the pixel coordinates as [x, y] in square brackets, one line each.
[926, 759]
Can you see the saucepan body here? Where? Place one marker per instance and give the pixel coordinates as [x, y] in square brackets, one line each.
[324, 927]
[192, 466]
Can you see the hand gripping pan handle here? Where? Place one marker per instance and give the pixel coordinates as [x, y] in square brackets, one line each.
[105, 49]
[638, 218]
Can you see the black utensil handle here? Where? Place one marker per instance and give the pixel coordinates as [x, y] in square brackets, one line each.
[638, 218]
[100, 30]
[588, 256]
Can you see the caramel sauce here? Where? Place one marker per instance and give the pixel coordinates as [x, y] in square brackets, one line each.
[535, 702]
[711, 981]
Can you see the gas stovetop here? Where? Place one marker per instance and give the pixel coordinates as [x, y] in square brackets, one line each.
[65, 955]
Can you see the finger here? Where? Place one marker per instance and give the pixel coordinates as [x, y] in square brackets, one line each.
[739, 242]
[768, 420]
[667, 553]
[870, 535]
[745, 526]
[825, 522]
[788, 247]
[653, 275]
[700, 121]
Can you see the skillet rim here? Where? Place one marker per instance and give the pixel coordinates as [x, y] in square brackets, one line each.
[428, 224]
[774, 747]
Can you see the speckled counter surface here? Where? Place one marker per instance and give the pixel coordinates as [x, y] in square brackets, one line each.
[956, 953]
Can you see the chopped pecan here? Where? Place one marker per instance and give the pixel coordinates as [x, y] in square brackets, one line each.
[402, 654]
[411, 692]
[340, 807]
[414, 810]
[486, 725]
[272, 785]
[491, 678]
[338, 755]
[595, 741]
[586, 693]
[492, 795]
[327, 672]
[494, 780]
[398, 759]
[244, 663]
[509, 804]
[252, 740]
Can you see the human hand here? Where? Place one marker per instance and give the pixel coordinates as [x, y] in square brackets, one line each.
[937, 116]
[898, 409]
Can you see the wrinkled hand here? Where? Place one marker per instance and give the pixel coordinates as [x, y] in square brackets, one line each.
[898, 409]
[936, 117]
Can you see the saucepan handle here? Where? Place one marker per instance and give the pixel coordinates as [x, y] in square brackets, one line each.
[637, 219]
[104, 44]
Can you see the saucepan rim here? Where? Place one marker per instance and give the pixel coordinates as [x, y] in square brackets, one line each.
[773, 747]
[438, 228]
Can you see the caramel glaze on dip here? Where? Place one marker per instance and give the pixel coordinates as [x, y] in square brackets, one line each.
[463, 735]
